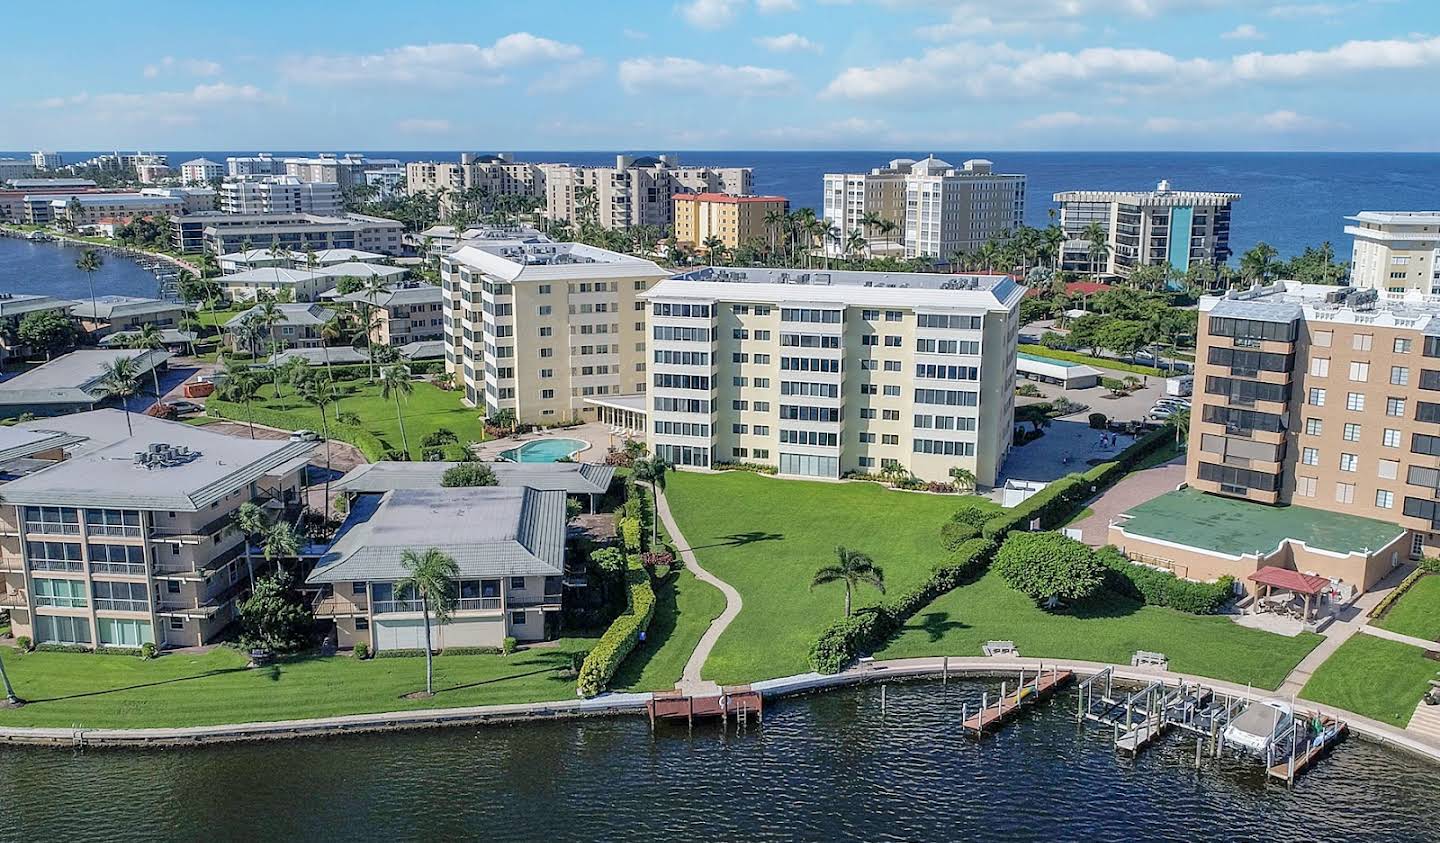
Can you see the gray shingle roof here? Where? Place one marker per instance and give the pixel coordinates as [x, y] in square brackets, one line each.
[575, 478]
[112, 307]
[489, 532]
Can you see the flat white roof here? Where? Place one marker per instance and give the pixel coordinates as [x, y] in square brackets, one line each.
[879, 289]
[552, 261]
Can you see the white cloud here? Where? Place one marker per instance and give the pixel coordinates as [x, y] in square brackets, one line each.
[644, 75]
[1349, 57]
[192, 67]
[1244, 32]
[566, 77]
[634, 34]
[772, 7]
[1275, 122]
[790, 42]
[448, 64]
[1057, 120]
[1306, 10]
[168, 108]
[422, 126]
[710, 14]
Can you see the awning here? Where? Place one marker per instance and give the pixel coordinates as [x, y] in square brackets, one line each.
[1289, 580]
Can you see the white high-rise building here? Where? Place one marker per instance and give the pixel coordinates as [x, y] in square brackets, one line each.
[935, 208]
[636, 191]
[199, 172]
[823, 373]
[259, 164]
[47, 160]
[343, 170]
[1396, 251]
[279, 195]
[1144, 228]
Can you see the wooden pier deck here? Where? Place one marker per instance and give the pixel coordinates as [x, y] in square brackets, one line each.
[739, 701]
[1331, 731]
[1028, 692]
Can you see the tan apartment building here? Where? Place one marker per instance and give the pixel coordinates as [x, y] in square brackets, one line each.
[499, 174]
[113, 539]
[824, 373]
[403, 314]
[537, 328]
[1325, 399]
[733, 219]
[1396, 251]
[1145, 228]
[636, 191]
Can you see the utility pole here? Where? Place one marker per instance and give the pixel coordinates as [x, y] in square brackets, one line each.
[11, 701]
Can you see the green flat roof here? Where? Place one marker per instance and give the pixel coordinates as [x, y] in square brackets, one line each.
[1236, 527]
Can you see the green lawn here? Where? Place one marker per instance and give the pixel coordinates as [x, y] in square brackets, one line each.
[1106, 629]
[1417, 612]
[93, 691]
[1378, 678]
[767, 537]
[426, 410]
[684, 608]
[1086, 359]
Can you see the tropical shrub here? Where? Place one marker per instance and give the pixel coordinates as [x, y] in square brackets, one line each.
[468, 474]
[1098, 421]
[630, 533]
[609, 560]
[955, 533]
[362, 650]
[507, 646]
[1155, 587]
[1048, 567]
[273, 618]
[23, 642]
[147, 650]
[617, 642]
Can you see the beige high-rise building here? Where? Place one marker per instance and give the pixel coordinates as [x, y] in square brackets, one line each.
[499, 174]
[636, 191]
[1396, 251]
[1145, 228]
[733, 219]
[539, 327]
[824, 373]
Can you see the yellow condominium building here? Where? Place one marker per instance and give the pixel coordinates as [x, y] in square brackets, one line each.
[539, 327]
[733, 219]
[1396, 251]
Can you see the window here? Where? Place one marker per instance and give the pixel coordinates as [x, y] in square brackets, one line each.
[172, 586]
[1352, 433]
[517, 583]
[61, 630]
[1319, 367]
[67, 594]
[1313, 427]
[1349, 462]
[1395, 407]
[545, 310]
[1305, 487]
[1388, 469]
[1322, 339]
[1399, 375]
[1391, 439]
[1317, 396]
[1384, 499]
[1344, 492]
[1355, 401]
[1359, 372]
[1362, 342]
[1310, 456]
[1402, 345]
[123, 633]
[177, 623]
[357, 587]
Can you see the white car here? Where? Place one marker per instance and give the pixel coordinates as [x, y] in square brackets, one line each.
[304, 436]
[1162, 412]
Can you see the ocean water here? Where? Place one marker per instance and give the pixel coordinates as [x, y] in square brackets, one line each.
[1289, 200]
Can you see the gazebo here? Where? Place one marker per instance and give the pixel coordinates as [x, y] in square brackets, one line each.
[1291, 581]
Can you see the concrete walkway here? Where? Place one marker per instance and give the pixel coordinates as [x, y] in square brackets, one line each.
[690, 682]
[1339, 631]
[1403, 639]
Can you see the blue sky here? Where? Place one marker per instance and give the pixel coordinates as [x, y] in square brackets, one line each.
[727, 74]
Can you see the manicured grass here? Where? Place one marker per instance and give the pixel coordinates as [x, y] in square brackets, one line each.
[217, 318]
[1376, 677]
[92, 691]
[1107, 629]
[1098, 362]
[1417, 612]
[1079, 516]
[767, 537]
[426, 410]
[684, 608]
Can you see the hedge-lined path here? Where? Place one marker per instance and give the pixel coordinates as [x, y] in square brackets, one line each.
[1339, 631]
[690, 681]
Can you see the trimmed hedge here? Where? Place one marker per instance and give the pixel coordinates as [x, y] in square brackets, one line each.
[622, 636]
[1398, 591]
[847, 638]
[1155, 587]
[368, 443]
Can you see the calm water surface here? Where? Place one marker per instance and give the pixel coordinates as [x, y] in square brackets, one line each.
[824, 767]
[29, 267]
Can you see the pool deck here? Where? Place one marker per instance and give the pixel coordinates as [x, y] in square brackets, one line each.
[597, 436]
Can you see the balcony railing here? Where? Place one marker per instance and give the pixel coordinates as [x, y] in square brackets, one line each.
[13, 598]
[60, 602]
[132, 569]
[52, 528]
[478, 603]
[71, 566]
[385, 607]
[109, 604]
[119, 530]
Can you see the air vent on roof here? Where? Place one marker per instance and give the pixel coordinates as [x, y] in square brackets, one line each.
[164, 456]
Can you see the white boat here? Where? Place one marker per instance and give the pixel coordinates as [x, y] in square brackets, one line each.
[1259, 725]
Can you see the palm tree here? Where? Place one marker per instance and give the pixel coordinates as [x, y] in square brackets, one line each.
[855, 243]
[395, 381]
[370, 291]
[1259, 263]
[149, 339]
[10, 698]
[774, 221]
[319, 393]
[121, 378]
[431, 576]
[1099, 245]
[281, 542]
[852, 568]
[330, 332]
[887, 228]
[1180, 420]
[90, 263]
[653, 471]
[249, 521]
[276, 252]
[239, 385]
[190, 325]
[964, 478]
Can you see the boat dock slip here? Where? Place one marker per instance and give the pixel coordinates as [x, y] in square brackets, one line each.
[1031, 688]
[1308, 740]
[739, 701]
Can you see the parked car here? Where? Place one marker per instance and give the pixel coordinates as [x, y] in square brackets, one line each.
[186, 407]
[304, 436]
[1177, 403]
[1160, 412]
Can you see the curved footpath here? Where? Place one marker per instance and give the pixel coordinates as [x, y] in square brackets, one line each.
[690, 681]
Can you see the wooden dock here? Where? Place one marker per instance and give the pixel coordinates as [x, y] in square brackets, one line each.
[1305, 748]
[1028, 691]
[738, 701]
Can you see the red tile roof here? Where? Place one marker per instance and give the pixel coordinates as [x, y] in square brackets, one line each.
[1290, 580]
[1078, 288]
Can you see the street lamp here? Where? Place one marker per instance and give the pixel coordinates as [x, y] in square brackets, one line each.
[11, 701]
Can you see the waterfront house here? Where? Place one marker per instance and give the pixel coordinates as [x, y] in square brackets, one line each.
[13, 308]
[114, 314]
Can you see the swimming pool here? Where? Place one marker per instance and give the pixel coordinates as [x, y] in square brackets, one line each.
[545, 450]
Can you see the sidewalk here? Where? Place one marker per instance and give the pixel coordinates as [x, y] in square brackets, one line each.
[1432, 646]
[1339, 631]
[690, 681]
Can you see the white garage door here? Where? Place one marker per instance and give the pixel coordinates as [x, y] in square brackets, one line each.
[406, 634]
[409, 633]
[473, 632]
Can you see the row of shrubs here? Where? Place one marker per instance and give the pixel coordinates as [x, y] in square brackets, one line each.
[144, 651]
[368, 443]
[362, 651]
[754, 467]
[622, 636]
[1155, 587]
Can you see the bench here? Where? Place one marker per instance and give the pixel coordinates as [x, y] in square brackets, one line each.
[1145, 658]
[999, 648]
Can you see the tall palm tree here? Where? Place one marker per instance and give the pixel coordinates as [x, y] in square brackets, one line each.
[1180, 420]
[1259, 263]
[852, 568]
[90, 263]
[774, 221]
[320, 393]
[148, 338]
[275, 253]
[190, 325]
[856, 244]
[653, 471]
[249, 521]
[887, 227]
[239, 385]
[1099, 245]
[121, 378]
[371, 290]
[331, 332]
[281, 542]
[395, 381]
[431, 576]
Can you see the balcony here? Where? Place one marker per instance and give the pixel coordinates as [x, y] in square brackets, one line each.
[15, 599]
[390, 607]
[331, 606]
[478, 604]
[109, 604]
[66, 566]
[52, 528]
[124, 568]
[115, 530]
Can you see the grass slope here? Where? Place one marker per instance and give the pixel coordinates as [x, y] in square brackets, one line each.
[1417, 612]
[94, 691]
[1376, 677]
[1107, 629]
[767, 537]
[684, 608]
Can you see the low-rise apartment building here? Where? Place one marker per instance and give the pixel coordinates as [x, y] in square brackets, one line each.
[13, 308]
[90, 209]
[193, 200]
[732, 219]
[259, 164]
[636, 191]
[823, 373]
[1144, 228]
[498, 174]
[402, 314]
[299, 326]
[1396, 251]
[116, 540]
[279, 195]
[539, 327]
[111, 314]
[219, 233]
